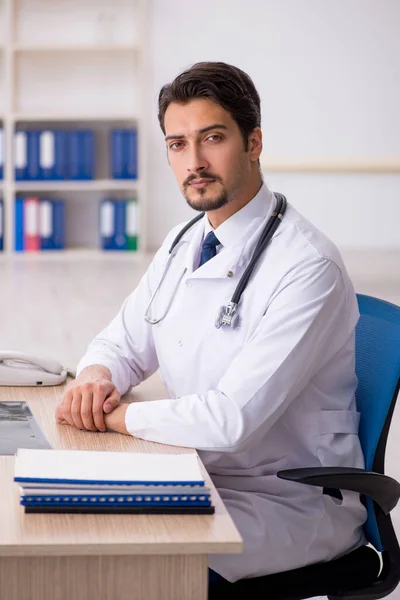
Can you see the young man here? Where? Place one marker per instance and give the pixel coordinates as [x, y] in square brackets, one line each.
[274, 392]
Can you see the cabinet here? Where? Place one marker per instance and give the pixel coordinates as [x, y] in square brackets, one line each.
[70, 65]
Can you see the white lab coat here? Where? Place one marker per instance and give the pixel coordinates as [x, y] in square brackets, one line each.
[277, 392]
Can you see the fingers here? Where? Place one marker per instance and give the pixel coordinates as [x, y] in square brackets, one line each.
[112, 401]
[64, 408]
[83, 405]
[86, 408]
[99, 393]
[59, 413]
[76, 409]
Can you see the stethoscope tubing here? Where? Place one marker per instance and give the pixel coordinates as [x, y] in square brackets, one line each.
[262, 243]
[265, 238]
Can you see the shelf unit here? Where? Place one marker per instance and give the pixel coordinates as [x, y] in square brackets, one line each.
[74, 64]
[75, 48]
[75, 186]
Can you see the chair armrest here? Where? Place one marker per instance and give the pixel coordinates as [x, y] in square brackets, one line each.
[384, 490]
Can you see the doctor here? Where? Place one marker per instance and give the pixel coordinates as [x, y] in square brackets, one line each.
[274, 392]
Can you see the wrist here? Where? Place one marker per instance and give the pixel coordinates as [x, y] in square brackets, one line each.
[93, 373]
[115, 420]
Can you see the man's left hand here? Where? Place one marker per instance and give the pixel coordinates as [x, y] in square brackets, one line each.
[115, 420]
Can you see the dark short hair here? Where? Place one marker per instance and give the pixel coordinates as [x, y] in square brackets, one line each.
[224, 84]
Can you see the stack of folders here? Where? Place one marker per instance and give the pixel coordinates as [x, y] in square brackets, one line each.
[39, 224]
[73, 481]
[119, 224]
[57, 154]
[123, 154]
[52, 154]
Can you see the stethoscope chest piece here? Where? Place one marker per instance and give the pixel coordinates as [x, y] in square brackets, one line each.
[227, 316]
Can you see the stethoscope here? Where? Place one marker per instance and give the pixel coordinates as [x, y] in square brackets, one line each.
[227, 315]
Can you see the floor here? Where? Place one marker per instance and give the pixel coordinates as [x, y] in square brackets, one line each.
[53, 305]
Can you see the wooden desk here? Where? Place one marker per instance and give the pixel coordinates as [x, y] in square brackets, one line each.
[102, 557]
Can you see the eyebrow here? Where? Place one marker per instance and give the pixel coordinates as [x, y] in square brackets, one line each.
[203, 130]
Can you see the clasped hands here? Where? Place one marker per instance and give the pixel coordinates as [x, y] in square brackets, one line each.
[92, 402]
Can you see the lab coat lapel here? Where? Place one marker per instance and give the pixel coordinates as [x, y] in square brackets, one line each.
[224, 264]
[193, 246]
[232, 259]
[218, 267]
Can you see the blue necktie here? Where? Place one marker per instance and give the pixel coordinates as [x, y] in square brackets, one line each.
[209, 247]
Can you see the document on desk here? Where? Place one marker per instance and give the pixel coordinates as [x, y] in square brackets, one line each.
[19, 429]
[87, 481]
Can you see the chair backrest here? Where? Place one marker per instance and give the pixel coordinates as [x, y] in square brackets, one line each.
[378, 372]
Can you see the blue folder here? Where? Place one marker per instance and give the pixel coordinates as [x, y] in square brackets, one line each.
[107, 224]
[117, 154]
[59, 224]
[81, 155]
[33, 168]
[52, 155]
[53, 237]
[131, 169]
[19, 224]
[113, 225]
[21, 154]
[124, 155]
[87, 154]
[120, 225]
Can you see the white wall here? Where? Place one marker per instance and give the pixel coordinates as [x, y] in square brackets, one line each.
[328, 72]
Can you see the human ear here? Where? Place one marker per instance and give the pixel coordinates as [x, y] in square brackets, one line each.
[255, 144]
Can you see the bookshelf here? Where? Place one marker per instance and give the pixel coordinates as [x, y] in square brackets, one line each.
[74, 186]
[71, 65]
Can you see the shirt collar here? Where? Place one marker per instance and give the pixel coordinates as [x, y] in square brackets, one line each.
[244, 222]
[237, 233]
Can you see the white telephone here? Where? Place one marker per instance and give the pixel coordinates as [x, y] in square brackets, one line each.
[19, 368]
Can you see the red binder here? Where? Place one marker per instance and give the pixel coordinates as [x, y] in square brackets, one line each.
[31, 224]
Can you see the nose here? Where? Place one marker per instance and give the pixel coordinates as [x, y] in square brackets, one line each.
[197, 162]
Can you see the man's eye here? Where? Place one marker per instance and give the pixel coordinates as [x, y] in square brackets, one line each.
[175, 145]
[214, 137]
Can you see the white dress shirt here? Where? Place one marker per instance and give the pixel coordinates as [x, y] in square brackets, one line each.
[276, 392]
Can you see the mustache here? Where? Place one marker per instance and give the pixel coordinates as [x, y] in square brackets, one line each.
[203, 175]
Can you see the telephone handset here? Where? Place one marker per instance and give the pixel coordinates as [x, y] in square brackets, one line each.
[19, 368]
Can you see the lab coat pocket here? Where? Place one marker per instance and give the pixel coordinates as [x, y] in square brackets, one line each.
[337, 442]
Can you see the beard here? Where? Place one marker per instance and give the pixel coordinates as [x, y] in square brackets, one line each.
[206, 201]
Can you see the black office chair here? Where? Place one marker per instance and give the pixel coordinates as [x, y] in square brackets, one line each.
[362, 574]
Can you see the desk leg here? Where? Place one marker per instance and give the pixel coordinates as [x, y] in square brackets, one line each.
[166, 577]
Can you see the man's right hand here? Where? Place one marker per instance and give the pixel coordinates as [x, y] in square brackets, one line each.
[88, 398]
